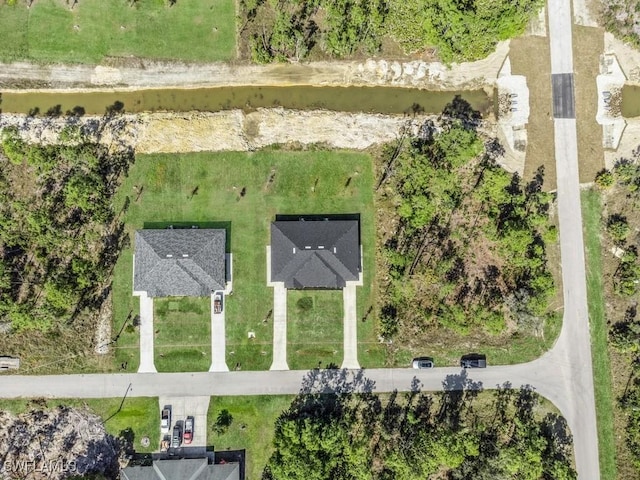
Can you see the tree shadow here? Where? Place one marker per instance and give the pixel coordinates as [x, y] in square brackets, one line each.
[461, 110]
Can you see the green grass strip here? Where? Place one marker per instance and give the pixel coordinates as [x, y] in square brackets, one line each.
[591, 212]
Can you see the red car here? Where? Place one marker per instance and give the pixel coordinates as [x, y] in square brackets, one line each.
[188, 430]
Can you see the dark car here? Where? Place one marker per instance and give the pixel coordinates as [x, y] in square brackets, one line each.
[473, 360]
[176, 438]
[422, 362]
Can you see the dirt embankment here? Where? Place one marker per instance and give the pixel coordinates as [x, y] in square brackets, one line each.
[221, 131]
[139, 73]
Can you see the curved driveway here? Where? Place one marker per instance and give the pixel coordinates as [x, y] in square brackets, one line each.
[563, 375]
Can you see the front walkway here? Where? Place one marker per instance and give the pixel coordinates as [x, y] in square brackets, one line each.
[146, 335]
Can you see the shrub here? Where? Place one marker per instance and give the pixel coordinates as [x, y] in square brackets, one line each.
[305, 304]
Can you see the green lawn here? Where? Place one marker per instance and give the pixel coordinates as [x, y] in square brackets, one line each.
[315, 335]
[192, 30]
[591, 211]
[182, 340]
[252, 427]
[273, 182]
[139, 414]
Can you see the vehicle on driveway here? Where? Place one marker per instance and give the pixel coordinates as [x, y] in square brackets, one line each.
[176, 438]
[422, 362]
[217, 302]
[165, 419]
[473, 360]
[188, 430]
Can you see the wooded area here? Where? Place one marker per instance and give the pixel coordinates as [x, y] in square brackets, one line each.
[456, 434]
[468, 251]
[60, 236]
[453, 30]
[621, 221]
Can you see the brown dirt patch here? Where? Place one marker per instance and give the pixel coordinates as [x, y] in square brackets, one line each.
[588, 44]
[530, 57]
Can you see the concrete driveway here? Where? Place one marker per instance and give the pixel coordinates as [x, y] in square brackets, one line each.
[350, 323]
[218, 338]
[181, 408]
[147, 364]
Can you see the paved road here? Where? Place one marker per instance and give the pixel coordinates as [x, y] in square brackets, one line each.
[574, 344]
[563, 375]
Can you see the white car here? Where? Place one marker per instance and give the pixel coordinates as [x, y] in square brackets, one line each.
[165, 419]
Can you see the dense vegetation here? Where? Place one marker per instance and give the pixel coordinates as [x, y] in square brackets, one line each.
[456, 435]
[622, 18]
[469, 250]
[621, 220]
[277, 30]
[59, 236]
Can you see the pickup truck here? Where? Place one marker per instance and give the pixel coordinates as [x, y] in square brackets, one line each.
[217, 302]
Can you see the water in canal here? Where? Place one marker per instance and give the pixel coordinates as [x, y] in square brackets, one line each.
[387, 100]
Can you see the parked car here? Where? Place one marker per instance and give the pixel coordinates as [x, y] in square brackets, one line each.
[165, 419]
[217, 302]
[176, 438]
[188, 430]
[473, 360]
[422, 362]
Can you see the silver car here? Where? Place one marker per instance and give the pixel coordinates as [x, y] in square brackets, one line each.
[422, 362]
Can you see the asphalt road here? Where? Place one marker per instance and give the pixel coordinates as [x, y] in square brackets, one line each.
[563, 375]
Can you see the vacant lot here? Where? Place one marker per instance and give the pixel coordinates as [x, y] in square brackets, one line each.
[251, 427]
[50, 31]
[141, 415]
[243, 193]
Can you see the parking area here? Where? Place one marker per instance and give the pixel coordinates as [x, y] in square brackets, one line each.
[181, 408]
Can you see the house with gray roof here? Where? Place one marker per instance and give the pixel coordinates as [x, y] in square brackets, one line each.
[317, 253]
[179, 262]
[182, 469]
[314, 252]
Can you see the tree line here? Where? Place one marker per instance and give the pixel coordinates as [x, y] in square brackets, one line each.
[469, 250]
[59, 234]
[456, 434]
[278, 30]
[624, 333]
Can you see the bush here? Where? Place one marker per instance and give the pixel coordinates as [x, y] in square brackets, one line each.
[305, 304]
[618, 228]
[604, 178]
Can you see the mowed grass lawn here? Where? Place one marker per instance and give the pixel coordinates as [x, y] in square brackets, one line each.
[182, 338]
[141, 415]
[252, 427]
[243, 192]
[49, 31]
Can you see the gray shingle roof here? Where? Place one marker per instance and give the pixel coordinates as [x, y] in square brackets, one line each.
[315, 253]
[182, 469]
[180, 262]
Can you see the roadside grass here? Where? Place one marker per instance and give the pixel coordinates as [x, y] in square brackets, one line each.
[140, 414]
[182, 339]
[243, 192]
[517, 349]
[252, 428]
[591, 211]
[49, 31]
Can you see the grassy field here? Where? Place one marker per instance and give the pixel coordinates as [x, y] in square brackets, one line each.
[182, 340]
[272, 182]
[139, 414]
[252, 427]
[50, 31]
[591, 210]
